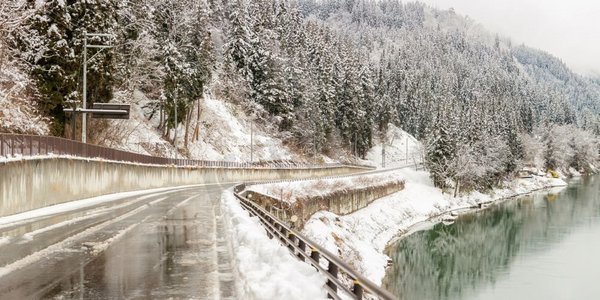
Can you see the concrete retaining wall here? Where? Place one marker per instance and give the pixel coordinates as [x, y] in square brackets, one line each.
[31, 184]
[338, 202]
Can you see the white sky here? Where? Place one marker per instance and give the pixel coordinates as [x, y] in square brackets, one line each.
[568, 29]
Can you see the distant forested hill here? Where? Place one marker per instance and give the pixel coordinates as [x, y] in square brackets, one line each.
[331, 74]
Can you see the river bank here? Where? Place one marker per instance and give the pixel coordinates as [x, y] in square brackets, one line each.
[361, 238]
[534, 247]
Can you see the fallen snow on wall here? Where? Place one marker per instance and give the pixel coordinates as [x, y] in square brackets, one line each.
[397, 143]
[265, 269]
[292, 191]
[361, 237]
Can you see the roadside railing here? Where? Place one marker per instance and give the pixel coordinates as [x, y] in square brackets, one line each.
[17, 145]
[310, 252]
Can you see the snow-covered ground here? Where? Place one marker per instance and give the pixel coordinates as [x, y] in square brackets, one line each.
[263, 268]
[361, 237]
[224, 133]
[401, 149]
[292, 191]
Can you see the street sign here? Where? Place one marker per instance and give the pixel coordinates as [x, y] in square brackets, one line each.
[104, 111]
[111, 111]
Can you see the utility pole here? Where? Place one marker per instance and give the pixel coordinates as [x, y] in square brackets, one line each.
[84, 120]
[251, 141]
[85, 47]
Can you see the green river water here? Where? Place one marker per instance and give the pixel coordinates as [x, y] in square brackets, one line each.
[542, 246]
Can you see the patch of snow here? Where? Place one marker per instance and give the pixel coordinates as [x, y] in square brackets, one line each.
[401, 149]
[139, 133]
[265, 269]
[223, 132]
[361, 237]
[225, 135]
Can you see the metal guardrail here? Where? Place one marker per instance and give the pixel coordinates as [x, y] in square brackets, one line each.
[14, 145]
[312, 253]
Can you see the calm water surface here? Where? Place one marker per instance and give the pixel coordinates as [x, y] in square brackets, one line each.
[543, 246]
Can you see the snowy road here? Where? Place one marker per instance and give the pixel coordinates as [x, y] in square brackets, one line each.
[162, 245]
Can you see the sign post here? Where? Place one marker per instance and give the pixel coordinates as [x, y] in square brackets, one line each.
[85, 59]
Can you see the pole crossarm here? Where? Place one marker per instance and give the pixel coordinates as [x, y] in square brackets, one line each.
[85, 60]
[96, 111]
[99, 46]
[100, 34]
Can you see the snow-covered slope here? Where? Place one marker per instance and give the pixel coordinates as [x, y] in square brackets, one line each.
[224, 133]
[362, 236]
[263, 268]
[397, 144]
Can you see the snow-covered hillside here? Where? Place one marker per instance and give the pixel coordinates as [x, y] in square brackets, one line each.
[224, 133]
[401, 149]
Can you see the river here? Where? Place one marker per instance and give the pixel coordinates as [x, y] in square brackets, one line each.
[541, 246]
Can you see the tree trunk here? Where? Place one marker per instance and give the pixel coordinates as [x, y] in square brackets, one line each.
[161, 115]
[187, 126]
[457, 188]
[197, 129]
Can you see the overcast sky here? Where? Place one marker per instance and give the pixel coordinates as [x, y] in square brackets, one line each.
[569, 29]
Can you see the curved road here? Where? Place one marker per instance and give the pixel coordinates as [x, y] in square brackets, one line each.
[165, 245]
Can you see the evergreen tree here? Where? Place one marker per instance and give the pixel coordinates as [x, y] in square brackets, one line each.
[439, 155]
[46, 43]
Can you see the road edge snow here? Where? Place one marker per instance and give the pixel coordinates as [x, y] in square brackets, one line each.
[262, 267]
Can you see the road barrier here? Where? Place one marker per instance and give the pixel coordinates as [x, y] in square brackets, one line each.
[16, 145]
[310, 252]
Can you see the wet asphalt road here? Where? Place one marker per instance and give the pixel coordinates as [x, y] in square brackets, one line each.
[167, 245]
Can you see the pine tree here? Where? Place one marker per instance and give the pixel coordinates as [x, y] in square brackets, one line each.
[439, 155]
[550, 162]
[96, 16]
[46, 43]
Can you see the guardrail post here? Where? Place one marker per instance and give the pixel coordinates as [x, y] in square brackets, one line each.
[333, 270]
[302, 246]
[292, 240]
[314, 255]
[358, 290]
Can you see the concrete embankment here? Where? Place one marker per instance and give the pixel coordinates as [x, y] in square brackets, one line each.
[36, 183]
[339, 202]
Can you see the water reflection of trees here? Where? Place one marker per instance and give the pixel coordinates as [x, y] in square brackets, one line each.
[448, 261]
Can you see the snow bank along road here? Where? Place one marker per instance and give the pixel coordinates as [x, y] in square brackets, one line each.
[165, 244]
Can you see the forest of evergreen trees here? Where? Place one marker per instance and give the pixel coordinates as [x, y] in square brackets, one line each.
[330, 74]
